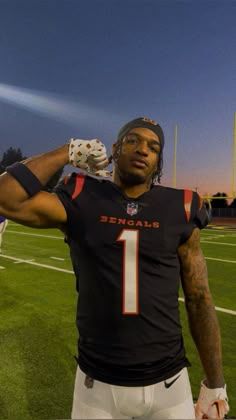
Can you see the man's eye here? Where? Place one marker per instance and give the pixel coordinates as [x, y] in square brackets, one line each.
[131, 141]
[154, 149]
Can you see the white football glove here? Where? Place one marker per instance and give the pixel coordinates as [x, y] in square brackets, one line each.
[89, 155]
[211, 403]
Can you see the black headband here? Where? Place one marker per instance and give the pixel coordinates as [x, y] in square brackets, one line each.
[143, 122]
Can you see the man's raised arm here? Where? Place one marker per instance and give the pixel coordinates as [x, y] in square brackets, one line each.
[21, 198]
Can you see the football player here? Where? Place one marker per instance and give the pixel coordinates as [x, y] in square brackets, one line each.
[3, 225]
[135, 240]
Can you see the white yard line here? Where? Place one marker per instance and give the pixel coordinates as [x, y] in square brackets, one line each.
[20, 262]
[57, 258]
[217, 243]
[217, 308]
[34, 234]
[227, 311]
[221, 259]
[50, 267]
[219, 232]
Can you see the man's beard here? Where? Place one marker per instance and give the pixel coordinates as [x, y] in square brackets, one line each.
[131, 179]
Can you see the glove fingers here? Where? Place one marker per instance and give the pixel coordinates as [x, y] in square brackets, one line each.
[216, 410]
[82, 165]
[221, 408]
[97, 159]
[99, 163]
[213, 412]
[198, 412]
[103, 174]
[102, 164]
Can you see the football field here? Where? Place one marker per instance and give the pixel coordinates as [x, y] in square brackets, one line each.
[38, 336]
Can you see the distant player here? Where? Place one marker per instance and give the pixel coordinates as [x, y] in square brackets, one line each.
[3, 225]
[133, 241]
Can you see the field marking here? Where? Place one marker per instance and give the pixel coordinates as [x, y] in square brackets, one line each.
[34, 234]
[221, 259]
[203, 237]
[227, 311]
[2, 268]
[20, 262]
[217, 243]
[57, 258]
[213, 236]
[218, 308]
[50, 267]
[222, 229]
[219, 233]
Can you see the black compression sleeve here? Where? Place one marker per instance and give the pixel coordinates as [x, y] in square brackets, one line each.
[25, 177]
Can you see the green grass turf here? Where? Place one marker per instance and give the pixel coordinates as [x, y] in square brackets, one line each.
[37, 322]
[37, 330]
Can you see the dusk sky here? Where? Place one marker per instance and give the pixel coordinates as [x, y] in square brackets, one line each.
[83, 68]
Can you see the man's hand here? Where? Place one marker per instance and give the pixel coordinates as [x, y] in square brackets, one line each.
[211, 403]
[89, 155]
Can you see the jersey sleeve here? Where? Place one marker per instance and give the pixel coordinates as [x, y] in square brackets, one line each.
[196, 213]
[67, 184]
[201, 215]
[67, 190]
[70, 186]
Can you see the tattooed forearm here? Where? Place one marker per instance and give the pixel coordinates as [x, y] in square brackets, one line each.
[202, 318]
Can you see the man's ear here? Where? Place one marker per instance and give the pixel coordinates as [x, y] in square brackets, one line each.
[113, 149]
[113, 152]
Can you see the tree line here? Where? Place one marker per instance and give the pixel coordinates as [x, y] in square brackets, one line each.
[221, 201]
[15, 155]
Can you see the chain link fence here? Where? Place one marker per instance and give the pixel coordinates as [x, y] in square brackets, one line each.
[224, 212]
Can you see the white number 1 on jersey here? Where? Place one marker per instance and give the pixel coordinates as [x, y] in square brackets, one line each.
[130, 240]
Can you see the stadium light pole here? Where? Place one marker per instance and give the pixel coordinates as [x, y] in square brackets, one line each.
[234, 157]
[174, 157]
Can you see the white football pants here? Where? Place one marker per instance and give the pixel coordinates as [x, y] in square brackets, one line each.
[170, 399]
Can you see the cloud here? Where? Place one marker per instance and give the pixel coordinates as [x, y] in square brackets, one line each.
[55, 106]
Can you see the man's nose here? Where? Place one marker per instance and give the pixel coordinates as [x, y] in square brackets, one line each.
[142, 147]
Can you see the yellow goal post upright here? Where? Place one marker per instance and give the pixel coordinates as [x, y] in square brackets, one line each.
[233, 195]
[234, 157]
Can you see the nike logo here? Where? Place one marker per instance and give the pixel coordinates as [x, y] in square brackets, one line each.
[168, 384]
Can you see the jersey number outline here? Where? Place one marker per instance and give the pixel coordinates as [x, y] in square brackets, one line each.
[130, 289]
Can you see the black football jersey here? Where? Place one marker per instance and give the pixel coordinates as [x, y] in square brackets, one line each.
[126, 253]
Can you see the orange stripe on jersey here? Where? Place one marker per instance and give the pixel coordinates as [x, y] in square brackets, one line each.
[79, 183]
[188, 195]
